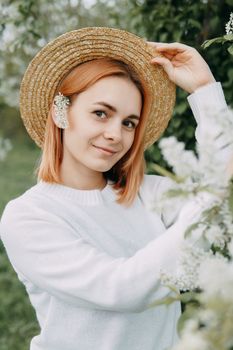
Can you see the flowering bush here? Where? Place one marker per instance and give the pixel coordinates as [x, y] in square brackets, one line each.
[205, 269]
[208, 173]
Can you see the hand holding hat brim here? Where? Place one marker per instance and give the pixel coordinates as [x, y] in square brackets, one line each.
[60, 56]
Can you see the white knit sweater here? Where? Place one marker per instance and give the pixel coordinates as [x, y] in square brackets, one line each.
[91, 266]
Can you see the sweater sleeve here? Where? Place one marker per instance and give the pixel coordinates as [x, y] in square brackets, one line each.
[204, 101]
[45, 250]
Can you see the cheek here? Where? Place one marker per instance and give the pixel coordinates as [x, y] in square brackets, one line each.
[129, 140]
[72, 140]
[78, 132]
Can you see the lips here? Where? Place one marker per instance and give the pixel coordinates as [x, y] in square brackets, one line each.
[106, 149]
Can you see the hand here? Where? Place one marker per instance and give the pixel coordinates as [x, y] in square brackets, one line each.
[192, 211]
[183, 65]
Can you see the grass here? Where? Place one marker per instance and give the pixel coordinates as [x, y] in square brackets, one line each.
[18, 322]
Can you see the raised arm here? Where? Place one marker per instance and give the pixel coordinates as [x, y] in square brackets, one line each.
[187, 69]
[45, 250]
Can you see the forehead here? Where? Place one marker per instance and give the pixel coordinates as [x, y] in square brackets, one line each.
[114, 90]
[114, 81]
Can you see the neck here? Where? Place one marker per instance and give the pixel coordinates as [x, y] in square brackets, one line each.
[81, 179]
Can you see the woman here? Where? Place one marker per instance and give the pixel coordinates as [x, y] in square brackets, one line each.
[83, 240]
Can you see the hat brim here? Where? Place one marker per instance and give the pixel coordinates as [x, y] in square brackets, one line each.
[57, 58]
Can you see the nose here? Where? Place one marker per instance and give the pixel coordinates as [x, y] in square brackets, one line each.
[113, 131]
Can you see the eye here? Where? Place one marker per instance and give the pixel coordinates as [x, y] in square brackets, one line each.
[130, 124]
[99, 113]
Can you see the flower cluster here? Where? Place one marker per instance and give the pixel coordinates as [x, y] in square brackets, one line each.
[229, 25]
[208, 168]
[189, 263]
[210, 326]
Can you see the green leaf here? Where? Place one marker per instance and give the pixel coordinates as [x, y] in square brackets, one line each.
[230, 199]
[176, 192]
[187, 314]
[164, 301]
[230, 74]
[181, 107]
[189, 296]
[190, 229]
[189, 131]
[230, 49]
[207, 43]
[194, 23]
[164, 172]
[228, 37]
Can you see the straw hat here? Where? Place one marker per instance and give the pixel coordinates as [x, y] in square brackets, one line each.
[53, 62]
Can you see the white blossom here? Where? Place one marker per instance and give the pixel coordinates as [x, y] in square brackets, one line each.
[9, 34]
[208, 168]
[186, 275]
[216, 278]
[192, 341]
[229, 25]
[173, 151]
[215, 235]
[9, 11]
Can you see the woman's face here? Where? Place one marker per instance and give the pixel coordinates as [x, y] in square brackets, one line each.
[102, 117]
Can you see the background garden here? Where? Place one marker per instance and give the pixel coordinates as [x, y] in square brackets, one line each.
[25, 26]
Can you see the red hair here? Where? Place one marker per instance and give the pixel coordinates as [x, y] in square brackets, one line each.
[128, 172]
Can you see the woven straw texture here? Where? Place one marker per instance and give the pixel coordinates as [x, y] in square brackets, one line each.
[58, 57]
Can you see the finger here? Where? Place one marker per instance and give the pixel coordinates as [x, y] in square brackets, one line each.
[172, 47]
[168, 55]
[165, 63]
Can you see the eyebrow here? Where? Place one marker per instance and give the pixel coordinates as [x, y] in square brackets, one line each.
[133, 116]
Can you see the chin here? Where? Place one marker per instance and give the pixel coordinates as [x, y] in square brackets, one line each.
[103, 169]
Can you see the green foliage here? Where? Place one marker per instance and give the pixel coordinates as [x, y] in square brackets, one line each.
[17, 319]
[18, 322]
[222, 39]
[192, 23]
[17, 172]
